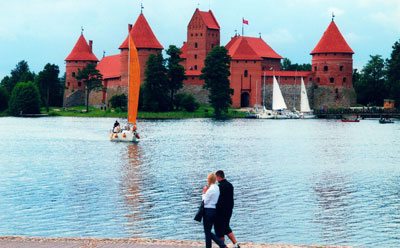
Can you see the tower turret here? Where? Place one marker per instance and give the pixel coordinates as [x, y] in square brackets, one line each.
[80, 56]
[146, 44]
[332, 64]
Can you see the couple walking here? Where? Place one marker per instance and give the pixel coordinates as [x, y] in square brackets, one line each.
[218, 206]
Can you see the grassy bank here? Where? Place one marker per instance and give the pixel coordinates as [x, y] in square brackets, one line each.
[202, 112]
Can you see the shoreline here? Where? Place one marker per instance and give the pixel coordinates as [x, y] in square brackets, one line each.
[23, 241]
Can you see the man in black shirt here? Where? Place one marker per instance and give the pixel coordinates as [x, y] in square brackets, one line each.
[224, 209]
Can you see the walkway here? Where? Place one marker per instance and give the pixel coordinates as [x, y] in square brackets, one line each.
[24, 242]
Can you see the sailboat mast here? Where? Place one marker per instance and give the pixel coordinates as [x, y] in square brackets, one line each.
[263, 100]
[295, 89]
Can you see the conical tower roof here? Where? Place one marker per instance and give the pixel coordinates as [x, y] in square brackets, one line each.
[332, 42]
[142, 35]
[81, 51]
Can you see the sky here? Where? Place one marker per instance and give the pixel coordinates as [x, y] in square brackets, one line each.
[45, 31]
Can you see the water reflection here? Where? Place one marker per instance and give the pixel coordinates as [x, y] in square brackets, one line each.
[334, 207]
[131, 185]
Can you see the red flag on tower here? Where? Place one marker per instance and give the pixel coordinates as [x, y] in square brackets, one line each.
[245, 21]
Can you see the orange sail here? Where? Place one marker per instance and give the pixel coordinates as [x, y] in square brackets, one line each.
[134, 82]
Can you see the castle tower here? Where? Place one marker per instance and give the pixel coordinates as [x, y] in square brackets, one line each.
[332, 63]
[203, 34]
[146, 44]
[80, 56]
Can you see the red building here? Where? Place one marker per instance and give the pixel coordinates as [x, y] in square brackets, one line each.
[114, 68]
[253, 65]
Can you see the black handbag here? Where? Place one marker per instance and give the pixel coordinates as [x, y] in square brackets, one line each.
[200, 212]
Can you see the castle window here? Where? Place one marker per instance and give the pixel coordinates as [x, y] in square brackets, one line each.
[69, 84]
[197, 34]
[192, 78]
[201, 34]
[344, 80]
[325, 68]
[79, 84]
[73, 74]
[318, 80]
[315, 68]
[195, 56]
[212, 45]
[246, 73]
[195, 45]
[195, 67]
[332, 80]
[341, 68]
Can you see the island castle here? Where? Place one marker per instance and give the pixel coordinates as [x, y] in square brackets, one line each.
[254, 63]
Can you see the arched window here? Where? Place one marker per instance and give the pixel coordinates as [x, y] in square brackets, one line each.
[325, 68]
[195, 56]
[79, 84]
[315, 68]
[341, 68]
[195, 45]
[195, 67]
[318, 80]
[69, 84]
[332, 80]
[246, 73]
[73, 74]
[344, 80]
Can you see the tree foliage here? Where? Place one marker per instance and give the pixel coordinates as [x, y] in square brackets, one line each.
[92, 79]
[25, 98]
[287, 65]
[175, 71]
[156, 95]
[215, 74]
[21, 73]
[393, 73]
[119, 101]
[50, 87]
[3, 99]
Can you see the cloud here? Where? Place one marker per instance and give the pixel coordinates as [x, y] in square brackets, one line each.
[279, 36]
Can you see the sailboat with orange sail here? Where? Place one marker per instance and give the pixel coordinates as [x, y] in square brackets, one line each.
[130, 134]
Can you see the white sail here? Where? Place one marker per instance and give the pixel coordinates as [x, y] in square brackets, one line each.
[304, 105]
[277, 99]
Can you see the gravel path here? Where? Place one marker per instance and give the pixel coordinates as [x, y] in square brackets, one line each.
[25, 242]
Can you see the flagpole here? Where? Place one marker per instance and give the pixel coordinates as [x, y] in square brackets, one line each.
[242, 26]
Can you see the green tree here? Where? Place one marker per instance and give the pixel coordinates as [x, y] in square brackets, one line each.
[3, 99]
[287, 65]
[119, 101]
[21, 73]
[92, 79]
[215, 73]
[156, 90]
[393, 73]
[50, 86]
[175, 71]
[25, 98]
[370, 87]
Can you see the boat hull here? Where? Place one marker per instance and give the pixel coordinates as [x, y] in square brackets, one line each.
[350, 120]
[125, 136]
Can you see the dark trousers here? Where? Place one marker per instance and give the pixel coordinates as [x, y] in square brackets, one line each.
[209, 218]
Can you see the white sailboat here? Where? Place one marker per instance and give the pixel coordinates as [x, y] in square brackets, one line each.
[278, 102]
[305, 110]
[263, 113]
[130, 134]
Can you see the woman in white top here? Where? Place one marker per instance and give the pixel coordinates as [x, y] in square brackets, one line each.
[210, 197]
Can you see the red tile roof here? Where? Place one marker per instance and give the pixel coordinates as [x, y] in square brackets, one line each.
[142, 35]
[250, 48]
[110, 66]
[81, 51]
[332, 42]
[209, 19]
[287, 73]
[184, 51]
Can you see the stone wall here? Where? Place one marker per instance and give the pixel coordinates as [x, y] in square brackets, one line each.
[74, 98]
[197, 91]
[326, 96]
[291, 94]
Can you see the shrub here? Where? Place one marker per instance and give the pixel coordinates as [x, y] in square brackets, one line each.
[3, 99]
[25, 98]
[189, 103]
[178, 100]
[119, 101]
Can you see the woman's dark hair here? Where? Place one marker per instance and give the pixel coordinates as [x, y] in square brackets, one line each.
[220, 174]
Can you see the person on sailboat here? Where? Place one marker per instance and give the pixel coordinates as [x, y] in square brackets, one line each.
[117, 127]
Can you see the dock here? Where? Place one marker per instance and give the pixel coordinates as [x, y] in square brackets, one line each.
[361, 113]
[26, 242]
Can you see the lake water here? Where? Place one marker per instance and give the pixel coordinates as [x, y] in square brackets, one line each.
[296, 181]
